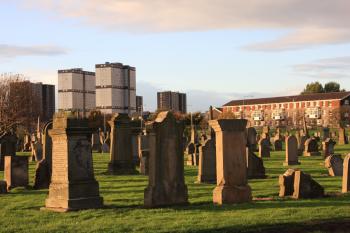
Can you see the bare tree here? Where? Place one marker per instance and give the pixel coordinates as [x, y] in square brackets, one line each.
[18, 103]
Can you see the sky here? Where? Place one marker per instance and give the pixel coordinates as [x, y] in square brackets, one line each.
[215, 51]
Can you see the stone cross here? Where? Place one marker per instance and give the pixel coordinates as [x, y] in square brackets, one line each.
[231, 169]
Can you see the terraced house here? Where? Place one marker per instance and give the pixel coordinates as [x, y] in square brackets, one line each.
[321, 109]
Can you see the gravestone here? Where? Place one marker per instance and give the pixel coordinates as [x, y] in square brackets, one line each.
[291, 151]
[301, 147]
[3, 187]
[334, 164]
[135, 132]
[104, 139]
[8, 141]
[326, 133]
[73, 185]
[166, 162]
[43, 170]
[16, 171]
[286, 182]
[346, 175]
[252, 138]
[231, 165]
[143, 153]
[255, 165]
[342, 139]
[264, 147]
[328, 147]
[311, 147]
[207, 162]
[192, 159]
[26, 143]
[38, 151]
[121, 158]
[278, 145]
[95, 142]
[306, 187]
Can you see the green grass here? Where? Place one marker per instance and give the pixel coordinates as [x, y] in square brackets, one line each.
[124, 211]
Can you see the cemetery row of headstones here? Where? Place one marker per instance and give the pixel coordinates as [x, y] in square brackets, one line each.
[227, 157]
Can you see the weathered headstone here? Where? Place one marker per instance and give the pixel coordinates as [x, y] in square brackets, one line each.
[166, 162]
[95, 142]
[143, 152]
[255, 165]
[328, 147]
[73, 185]
[306, 187]
[121, 158]
[8, 141]
[135, 132]
[192, 159]
[286, 182]
[207, 162]
[311, 147]
[334, 164]
[342, 139]
[291, 151]
[3, 187]
[16, 171]
[346, 174]
[264, 147]
[278, 144]
[301, 147]
[231, 166]
[43, 170]
[326, 133]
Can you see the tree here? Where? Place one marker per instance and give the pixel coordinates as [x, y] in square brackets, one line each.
[19, 103]
[332, 87]
[314, 87]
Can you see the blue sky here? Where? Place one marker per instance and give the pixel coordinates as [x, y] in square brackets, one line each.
[214, 53]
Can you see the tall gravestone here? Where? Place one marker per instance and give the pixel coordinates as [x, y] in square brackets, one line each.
[121, 157]
[326, 133]
[143, 151]
[135, 132]
[255, 165]
[166, 162]
[207, 162]
[301, 147]
[328, 147]
[342, 140]
[346, 174]
[16, 171]
[73, 185]
[43, 170]
[291, 151]
[264, 147]
[231, 171]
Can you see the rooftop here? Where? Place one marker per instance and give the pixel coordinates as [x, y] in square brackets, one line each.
[293, 98]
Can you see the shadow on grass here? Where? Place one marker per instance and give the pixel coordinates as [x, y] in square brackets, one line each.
[340, 225]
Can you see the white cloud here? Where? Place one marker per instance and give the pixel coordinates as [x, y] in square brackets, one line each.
[313, 22]
[330, 68]
[11, 51]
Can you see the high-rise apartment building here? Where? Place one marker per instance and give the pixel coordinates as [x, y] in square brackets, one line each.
[115, 88]
[139, 104]
[76, 90]
[173, 101]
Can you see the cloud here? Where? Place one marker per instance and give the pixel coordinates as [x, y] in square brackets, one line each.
[303, 38]
[313, 22]
[11, 51]
[330, 68]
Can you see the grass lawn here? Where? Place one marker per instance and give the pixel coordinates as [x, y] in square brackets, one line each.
[124, 212]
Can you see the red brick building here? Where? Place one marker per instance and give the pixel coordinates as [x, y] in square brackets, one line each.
[321, 109]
